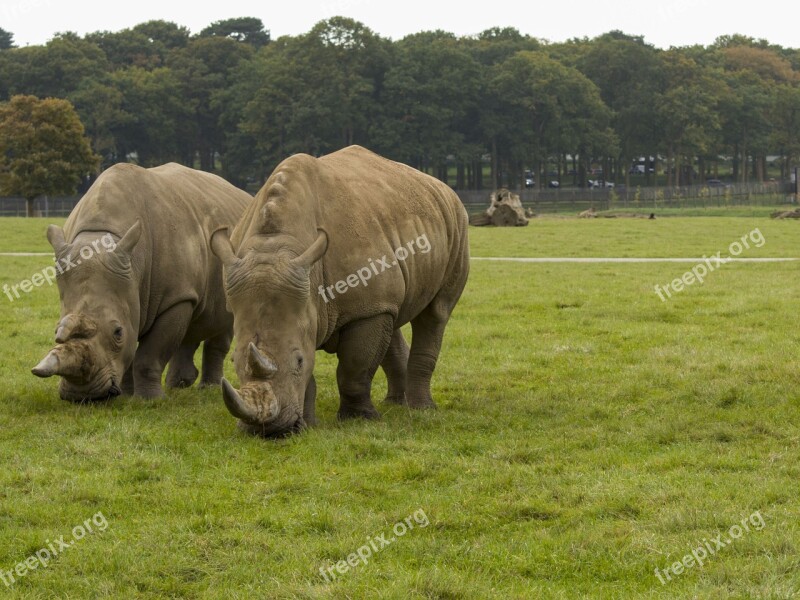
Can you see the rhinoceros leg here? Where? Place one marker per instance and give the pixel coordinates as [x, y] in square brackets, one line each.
[157, 347]
[362, 346]
[182, 372]
[427, 332]
[395, 365]
[214, 352]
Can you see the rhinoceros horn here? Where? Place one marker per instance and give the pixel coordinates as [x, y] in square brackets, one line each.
[48, 366]
[75, 326]
[58, 362]
[236, 405]
[55, 235]
[131, 237]
[242, 410]
[314, 252]
[260, 366]
[221, 246]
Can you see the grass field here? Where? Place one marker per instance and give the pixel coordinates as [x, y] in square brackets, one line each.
[587, 434]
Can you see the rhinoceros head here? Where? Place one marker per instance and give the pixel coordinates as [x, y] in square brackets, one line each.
[97, 335]
[275, 326]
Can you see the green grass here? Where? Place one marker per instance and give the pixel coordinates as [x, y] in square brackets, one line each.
[587, 434]
[18, 234]
[659, 238]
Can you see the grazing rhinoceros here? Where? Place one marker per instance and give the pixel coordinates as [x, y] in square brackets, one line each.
[338, 253]
[135, 266]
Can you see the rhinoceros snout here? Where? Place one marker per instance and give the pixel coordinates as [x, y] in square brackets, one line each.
[259, 411]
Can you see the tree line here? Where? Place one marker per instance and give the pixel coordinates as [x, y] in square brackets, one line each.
[231, 99]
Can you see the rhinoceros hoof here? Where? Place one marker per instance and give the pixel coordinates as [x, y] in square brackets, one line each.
[358, 413]
[399, 399]
[422, 403]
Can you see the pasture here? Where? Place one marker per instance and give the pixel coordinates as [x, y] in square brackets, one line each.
[587, 434]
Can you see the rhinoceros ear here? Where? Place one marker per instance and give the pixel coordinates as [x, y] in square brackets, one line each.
[55, 235]
[221, 246]
[128, 241]
[315, 251]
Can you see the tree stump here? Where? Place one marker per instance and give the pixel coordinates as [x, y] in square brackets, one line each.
[786, 214]
[505, 210]
[505, 216]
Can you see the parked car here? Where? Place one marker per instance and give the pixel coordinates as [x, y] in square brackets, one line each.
[529, 179]
[554, 184]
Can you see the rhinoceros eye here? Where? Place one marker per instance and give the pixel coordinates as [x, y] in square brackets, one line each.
[118, 333]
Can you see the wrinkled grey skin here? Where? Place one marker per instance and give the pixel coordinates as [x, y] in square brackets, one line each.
[315, 222]
[150, 292]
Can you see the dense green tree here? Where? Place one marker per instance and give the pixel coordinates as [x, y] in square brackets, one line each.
[129, 48]
[786, 126]
[243, 29]
[546, 109]
[314, 93]
[627, 72]
[43, 149]
[497, 44]
[154, 125]
[754, 74]
[53, 70]
[167, 34]
[6, 39]
[430, 98]
[204, 69]
[99, 105]
[688, 110]
[231, 100]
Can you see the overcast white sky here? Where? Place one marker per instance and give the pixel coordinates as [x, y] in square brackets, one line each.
[663, 23]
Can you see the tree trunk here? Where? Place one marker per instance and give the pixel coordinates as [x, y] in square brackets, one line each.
[670, 167]
[743, 173]
[29, 206]
[460, 175]
[495, 174]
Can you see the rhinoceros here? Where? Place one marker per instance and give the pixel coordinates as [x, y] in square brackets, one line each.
[337, 253]
[139, 285]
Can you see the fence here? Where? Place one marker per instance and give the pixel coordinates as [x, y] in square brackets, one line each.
[621, 198]
[59, 206]
[542, 201]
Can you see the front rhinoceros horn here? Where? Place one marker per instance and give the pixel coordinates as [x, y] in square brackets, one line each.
[59, 361]
[48, 365]
[236, 405]
[260, 366]
[249, 413]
